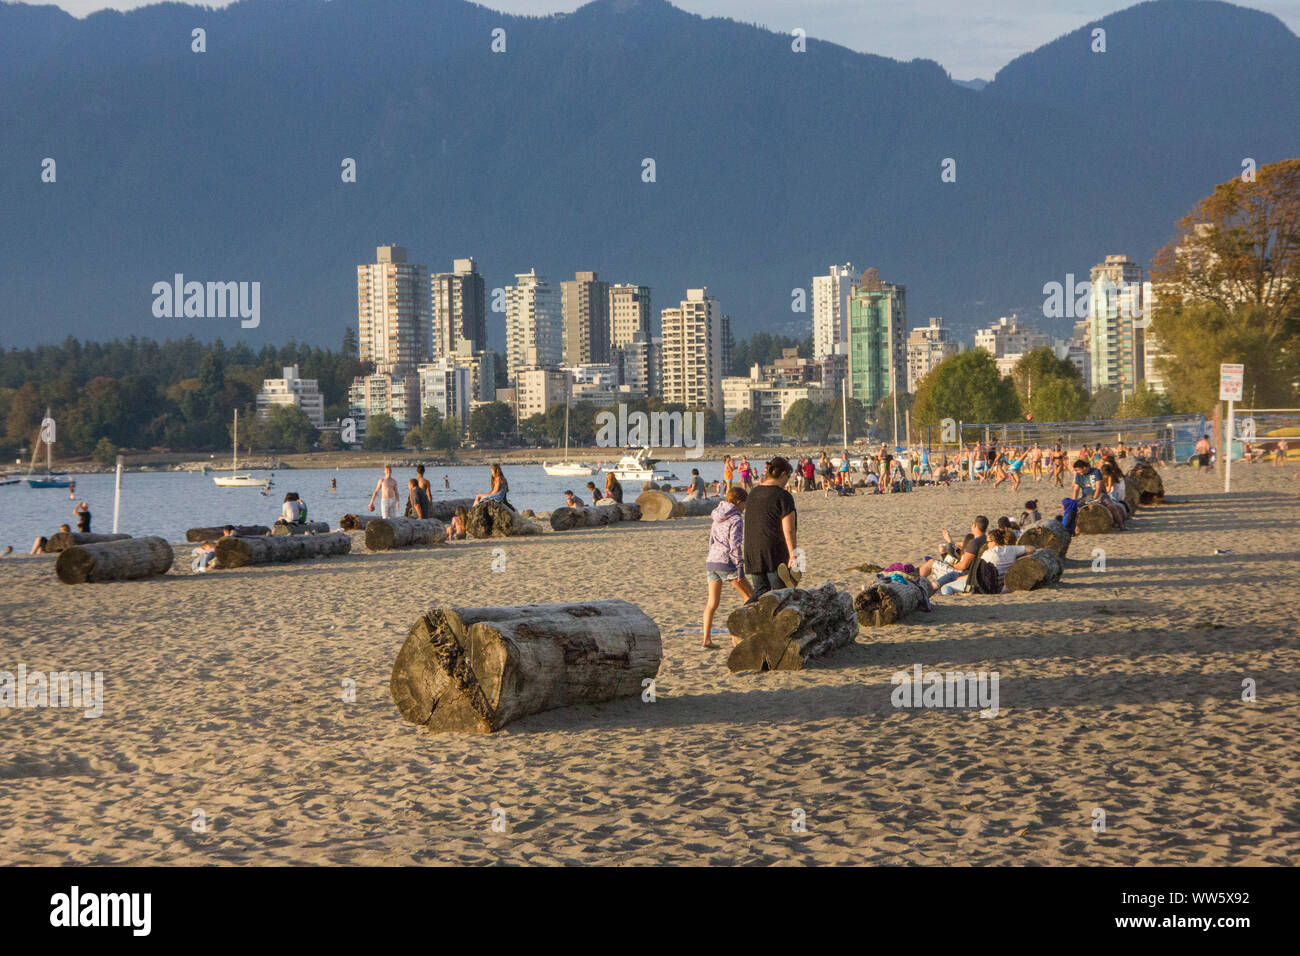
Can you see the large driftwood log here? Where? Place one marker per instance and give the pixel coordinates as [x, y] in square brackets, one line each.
[1150, 487]
[563, 519]
[236, 552]
[884, 602]
[783, 629]
[1042, 568]
[210, 534]
[386, 534]
[661, 505]
[355, 522]
[445, 509]
[308, 527]
[115, 560]
[491, 519]
[475, 669]
[1094, 518]
[70, 539]
[1046, 534]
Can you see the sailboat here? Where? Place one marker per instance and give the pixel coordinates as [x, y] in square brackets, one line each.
[234, 479]
[49, 479]
[566, 468]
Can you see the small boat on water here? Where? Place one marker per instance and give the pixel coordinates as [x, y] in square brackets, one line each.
[50, 479]
[566, 468]
[234, 479]
[639, 466]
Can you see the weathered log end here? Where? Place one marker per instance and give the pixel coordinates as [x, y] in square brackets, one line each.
[1046, 534]
[387, 534]
[491, 519]
[882, 603]
[784, 629]
[122, 560]
[1094, 518]
[309, 527]
[64, 540]
[237, 552]
[1042, 568]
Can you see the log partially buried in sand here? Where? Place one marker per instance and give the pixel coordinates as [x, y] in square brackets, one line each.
[594, 516]
[211, 534]
[491, 519]
[1046, 534]
[234, 552]
[70, 539]
[783, 629]
[308, 527]
[352, 522]
[475, 669]
[1042, 568]
[1094, 518]
[115, 561]
[661, 505]
[387, 534]
[1150, 487]
[887, 602]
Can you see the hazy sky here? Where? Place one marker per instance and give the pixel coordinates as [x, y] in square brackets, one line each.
[971, 38]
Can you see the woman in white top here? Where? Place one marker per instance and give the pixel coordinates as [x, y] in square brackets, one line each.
[1002, 555]
[291, 508]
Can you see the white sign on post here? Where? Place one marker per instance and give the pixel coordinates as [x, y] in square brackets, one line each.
[1231, 380]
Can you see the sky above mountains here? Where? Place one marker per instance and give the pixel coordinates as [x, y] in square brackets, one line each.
[970, 38]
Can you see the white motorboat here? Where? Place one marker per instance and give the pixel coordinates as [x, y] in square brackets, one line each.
[236, 480]
[566, 468]
[639, 466]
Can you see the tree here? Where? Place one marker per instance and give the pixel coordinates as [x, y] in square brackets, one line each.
[105, 453]
[284, 427]
[1105, 404]
[801, 419]
[833, 421]
[491, 423]
[965, 387]
[1145, 402]
[884, 413]
[1059, 400]
[746, 427]
[382, 434]
[330, 441]
[1228, 290]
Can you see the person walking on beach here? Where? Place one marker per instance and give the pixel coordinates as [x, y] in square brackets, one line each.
[745, 474]
[1279, 456]
[771, 529]
[82, 511]
[386, 489]
[725, 560]
[1203, 453]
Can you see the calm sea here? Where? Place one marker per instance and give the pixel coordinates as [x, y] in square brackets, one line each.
[167, 503]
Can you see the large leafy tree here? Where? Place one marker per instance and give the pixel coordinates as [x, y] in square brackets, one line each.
[285, 428]
[965, 387]
[746, 427]
[1144, 402]
[493, 422]
[1228, 290]
[382, 434]
[1050, 388]
[802, 420]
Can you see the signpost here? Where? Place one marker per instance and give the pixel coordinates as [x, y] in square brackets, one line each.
[1231, 380]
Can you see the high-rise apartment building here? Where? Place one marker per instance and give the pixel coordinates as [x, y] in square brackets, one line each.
[584, 301]
[642, 365]
[446, 387]
[1115, 343]
[534, 323]
[302, 393]
[927, 346]
[877, 342]
[1010, 336]
[629, 313]
[830, 301]
[393, 310]
[458, 308]
[696, 351]
[388, 392]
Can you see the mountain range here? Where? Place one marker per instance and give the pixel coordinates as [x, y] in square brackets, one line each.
[770, 164]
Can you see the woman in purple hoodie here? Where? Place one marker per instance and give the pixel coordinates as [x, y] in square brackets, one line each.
[725, 561]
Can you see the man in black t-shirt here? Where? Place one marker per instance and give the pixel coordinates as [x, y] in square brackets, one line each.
[942, 572]
[770, 528]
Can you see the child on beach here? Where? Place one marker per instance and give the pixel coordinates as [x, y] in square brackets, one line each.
[1030, 515]
[456, 529]
[725, 561]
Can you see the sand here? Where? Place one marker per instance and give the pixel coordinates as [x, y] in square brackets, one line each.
[1120, 691]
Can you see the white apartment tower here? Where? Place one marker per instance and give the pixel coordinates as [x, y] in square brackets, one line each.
[534, 323]
[393, 310]
[830, 322]
[459, 309]
[629, 313]
[927, 347]
[1115, 342]
[696, 347]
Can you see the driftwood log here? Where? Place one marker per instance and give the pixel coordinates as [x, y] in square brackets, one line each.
[445, 509]
[476, 669]
[70, 539]
[783, 629]
[210, 534]
[593, 516]
[122, 560]
[661, 505]
[1046, 534]
[1150, 487]
[491, 519]
[234, 552]
[308, 527]
[885, 601]
[387, 534]
[1094, 518]
[354, 522]
[1042, 568]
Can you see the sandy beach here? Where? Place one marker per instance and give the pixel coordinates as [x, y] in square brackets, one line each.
[1120, 690]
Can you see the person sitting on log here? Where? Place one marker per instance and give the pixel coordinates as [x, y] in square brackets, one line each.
[82, 511]
[290, 509]
[1005, 525]
[1030, 515]
[725, 560]
[203, 556]
[696, 488]
[499, 489]
[613, 488]
[227, 530]
[571, 500]
[38, 546]
[1069, 514]
[771, 529]
[595, 492]
[1110, 492]
[456, 527]
[952, 566]
[1002, 553]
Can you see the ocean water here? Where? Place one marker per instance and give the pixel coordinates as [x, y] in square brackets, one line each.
[167, 503]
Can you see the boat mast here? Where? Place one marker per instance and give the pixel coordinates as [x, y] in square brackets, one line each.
[234, 451]
[566, 430]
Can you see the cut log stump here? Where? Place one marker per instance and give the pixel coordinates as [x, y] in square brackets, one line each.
[476, 669]
[594, 516]
[354, 522]
[662, 505]
[783, 629]
[885, 602]
[1040, 569]
[491, 519]
[388, 534]
[234, 552]
[1046, 534]
[445, 509]
[1150, 486]
[211, 534]
[1094, 518]
[309, 527]
[70, 539]
[115, 561]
